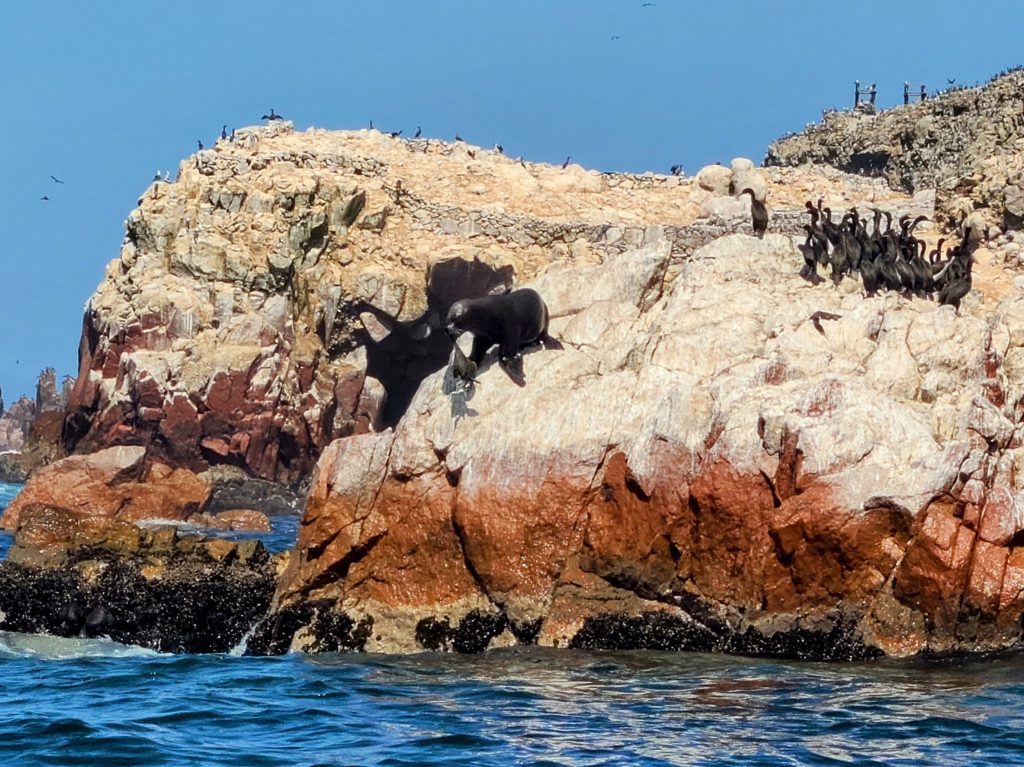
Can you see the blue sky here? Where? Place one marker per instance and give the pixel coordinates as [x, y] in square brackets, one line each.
[102, 94]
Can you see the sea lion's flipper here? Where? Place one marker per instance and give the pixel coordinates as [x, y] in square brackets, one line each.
[513, 366]
[550, 343]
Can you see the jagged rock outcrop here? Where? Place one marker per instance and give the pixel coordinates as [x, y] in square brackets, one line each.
[15, 424]
[251, 317]
[30, 430]
[699, 468]
[968, 144]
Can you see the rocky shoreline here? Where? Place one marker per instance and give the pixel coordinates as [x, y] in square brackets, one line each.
[704, 465]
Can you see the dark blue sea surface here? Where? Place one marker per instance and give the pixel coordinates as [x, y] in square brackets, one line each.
[90, 702]
[93, 702]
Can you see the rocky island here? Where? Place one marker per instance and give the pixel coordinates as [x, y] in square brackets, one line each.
[705, 464]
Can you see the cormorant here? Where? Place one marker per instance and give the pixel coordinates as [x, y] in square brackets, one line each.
[272, 116]
[810, 269]
[457, 136]
[676, 170]
[200, 143]
[500, 149]
[758, 213]
[44, 197]
[419, 132]
[224, 132]
[616, 37]
[566, 163]
[395, 133]
[57, 180]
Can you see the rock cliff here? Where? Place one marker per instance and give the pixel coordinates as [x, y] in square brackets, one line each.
[701, 467]
[721, 456]
[275, 296]
[968, 144]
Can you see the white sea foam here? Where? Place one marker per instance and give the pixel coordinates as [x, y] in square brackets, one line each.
[46, 647]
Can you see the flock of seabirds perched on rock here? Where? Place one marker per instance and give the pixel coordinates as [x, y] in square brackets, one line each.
[886, 258]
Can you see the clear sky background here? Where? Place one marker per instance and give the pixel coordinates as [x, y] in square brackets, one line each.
[102, 94]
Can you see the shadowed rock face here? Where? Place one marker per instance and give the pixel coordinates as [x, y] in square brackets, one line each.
[411, 350]
[698, 468]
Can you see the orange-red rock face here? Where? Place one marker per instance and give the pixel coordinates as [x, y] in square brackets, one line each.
[116, 483]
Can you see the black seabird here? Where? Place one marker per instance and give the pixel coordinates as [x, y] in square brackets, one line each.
[458, 137]
[272, 116]
[395, 133]
[419, 132]
[224, 131]
[566, 163]
[44, 197]
[758, 213]
[200, 143]
[57, 180]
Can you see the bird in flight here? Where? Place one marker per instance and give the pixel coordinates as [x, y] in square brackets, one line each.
[648, 5]
[950, 81]
[44, 197]
[616, 37]
[56, 179]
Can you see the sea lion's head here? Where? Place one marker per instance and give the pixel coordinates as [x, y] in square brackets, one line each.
[456, 316]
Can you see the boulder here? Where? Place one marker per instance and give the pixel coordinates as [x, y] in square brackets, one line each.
[715, 179]
[116, 482]
[745, 176]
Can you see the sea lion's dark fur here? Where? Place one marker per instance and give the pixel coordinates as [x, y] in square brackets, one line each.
[513, 321]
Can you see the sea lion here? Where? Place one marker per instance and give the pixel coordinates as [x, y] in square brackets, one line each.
[513, 321]
[98, 621]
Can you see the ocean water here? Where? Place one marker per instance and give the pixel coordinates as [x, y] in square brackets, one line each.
[94, 702]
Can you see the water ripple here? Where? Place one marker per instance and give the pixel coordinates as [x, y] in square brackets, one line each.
[91, 702]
